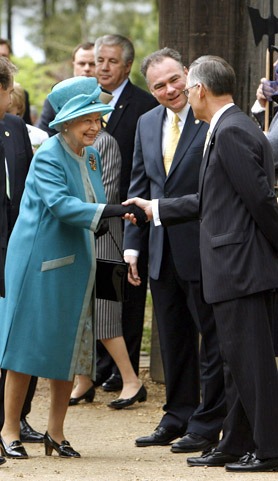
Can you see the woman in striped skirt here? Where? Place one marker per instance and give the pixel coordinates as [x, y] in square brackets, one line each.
[108, 317]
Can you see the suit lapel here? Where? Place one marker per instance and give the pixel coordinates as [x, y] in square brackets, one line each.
[8, 141]
[205, 160]
[156, 133]
[121, 105]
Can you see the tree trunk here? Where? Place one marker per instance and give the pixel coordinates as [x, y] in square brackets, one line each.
[9, 4]
[218, 27]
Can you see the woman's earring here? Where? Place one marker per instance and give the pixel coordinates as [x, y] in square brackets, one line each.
[66, 130]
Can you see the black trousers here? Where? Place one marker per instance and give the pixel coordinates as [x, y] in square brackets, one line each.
[181, 315]
[251, 380]
[28, 400]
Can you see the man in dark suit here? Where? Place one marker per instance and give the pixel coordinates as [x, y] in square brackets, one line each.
[18, 155]
[3, 228]
[3, 218]
[239, 246]
[174, 265]
[114, 55]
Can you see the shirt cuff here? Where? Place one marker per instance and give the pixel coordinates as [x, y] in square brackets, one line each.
[155, 209]
[131, 252]
[257, 108]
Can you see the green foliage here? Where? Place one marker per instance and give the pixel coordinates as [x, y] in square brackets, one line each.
[147, 331]
[33, 78]
[57, 27]
[144, 31]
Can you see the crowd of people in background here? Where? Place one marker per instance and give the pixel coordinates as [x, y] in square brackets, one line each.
[199, 176]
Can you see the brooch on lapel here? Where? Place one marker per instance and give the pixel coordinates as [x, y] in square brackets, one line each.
[92, 162]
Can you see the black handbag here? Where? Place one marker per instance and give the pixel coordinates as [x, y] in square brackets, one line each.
[111, 278]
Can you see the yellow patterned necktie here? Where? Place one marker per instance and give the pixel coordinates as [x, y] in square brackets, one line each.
[172, 139]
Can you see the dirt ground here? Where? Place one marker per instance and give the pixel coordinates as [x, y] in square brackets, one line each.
[105, 439]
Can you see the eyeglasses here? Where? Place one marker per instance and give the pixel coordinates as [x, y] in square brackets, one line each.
[186, 91]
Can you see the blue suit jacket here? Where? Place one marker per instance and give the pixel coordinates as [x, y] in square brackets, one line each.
[150, 182]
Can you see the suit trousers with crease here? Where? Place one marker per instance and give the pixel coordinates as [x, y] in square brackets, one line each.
[180, 314]
[251, 379]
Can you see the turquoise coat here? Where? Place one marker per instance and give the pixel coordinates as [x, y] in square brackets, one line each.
[50, 265]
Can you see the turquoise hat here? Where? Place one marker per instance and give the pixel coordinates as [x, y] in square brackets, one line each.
[77, 96]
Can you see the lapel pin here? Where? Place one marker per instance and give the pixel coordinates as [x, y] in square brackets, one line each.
[197, 121]
[93, 162]
[7, 133]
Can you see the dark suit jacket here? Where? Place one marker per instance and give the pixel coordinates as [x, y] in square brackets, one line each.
[238, 211]
[3, 217]
[149, 181]
[27, 116]
[47, 115]
[132, 103]
[18, 151]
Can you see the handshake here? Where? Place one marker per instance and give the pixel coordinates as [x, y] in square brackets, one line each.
[138, 211]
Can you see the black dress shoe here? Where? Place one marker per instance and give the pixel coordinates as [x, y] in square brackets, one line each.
[100, 379]
[140, 396]
[191, 443]
[13, 450]
[212, 458]
[64, 449]
[88, 396]
[160, 437]
[2, 460]
[28, 434]
[113, 383]
[250, 463]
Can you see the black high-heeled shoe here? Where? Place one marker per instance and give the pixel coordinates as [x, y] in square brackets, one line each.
[2, 460]
[64, 449]
[13, 450]
[88, 396]
[140, 396]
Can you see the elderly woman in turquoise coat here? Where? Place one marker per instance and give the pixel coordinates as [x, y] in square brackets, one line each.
[46, 317]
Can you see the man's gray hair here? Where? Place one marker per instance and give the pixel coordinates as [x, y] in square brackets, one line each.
[215, 73]
[115, 39]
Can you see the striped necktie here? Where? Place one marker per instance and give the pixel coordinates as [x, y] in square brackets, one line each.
[208, 136]
[172, 139]
[8, 192]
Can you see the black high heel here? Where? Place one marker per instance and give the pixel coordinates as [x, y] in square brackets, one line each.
[64, 449]
[88, 396]
[13, 450]
[2, 460]
[140, 396]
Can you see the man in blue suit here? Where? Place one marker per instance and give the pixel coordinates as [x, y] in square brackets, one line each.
[174, 265]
